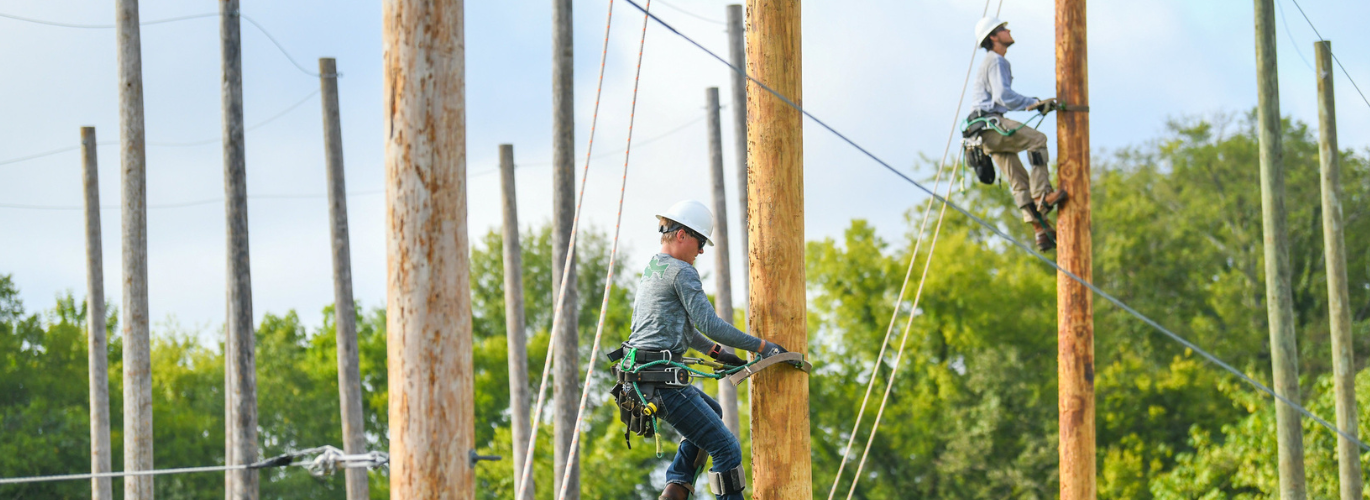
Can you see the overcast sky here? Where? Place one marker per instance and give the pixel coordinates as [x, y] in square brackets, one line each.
[886, 73]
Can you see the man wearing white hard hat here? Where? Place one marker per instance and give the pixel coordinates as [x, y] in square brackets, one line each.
[672, 314]
[991, 97]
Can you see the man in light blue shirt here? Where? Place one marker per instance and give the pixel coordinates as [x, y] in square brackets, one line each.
[991, 97]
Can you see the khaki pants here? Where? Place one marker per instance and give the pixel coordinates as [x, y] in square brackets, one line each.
[1005, 149]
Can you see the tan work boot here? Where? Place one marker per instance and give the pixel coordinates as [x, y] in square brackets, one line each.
[674, 491]
[1052, 200]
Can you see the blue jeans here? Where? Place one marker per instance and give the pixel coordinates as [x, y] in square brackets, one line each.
[699, 420]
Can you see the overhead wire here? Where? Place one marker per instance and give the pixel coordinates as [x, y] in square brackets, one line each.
[1334, 54]
[522, 484]
[1015, 242]
[609, 273]
[913, 258]
[691, 14]
[640, 143]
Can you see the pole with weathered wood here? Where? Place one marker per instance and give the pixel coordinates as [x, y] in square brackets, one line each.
[737, 55]
[344, 307]
[565, 361]
[515, 328]
[97, 347]
[723, 296]
[137, 425]
[779, 397]
[1074, 253]
[240, 366]
[428, 262]
[1284, 353]
[1338, 298]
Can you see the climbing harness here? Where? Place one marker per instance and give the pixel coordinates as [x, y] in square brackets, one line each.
[641, 373]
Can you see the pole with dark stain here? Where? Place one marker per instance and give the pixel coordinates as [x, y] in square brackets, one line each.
[779, 397]
[240, 363]
[97, 347]
[565, 362]
[344, 307]
[737, 55]
[1074, 303]
[428, 260]
[137, 425]
[1284, 353]
[723, 296]
[515, 328]
[1338, 298]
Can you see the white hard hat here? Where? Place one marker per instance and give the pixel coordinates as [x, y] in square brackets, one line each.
[694, 215]
[985, 27]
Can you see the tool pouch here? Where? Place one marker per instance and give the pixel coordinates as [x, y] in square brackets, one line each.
[978, 161]
[637, 413]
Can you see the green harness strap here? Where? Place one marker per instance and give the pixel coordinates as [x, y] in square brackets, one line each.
[993, 123]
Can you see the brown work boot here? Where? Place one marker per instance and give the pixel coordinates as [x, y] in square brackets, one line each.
[674, 491]
[1052, 200]
[1046, 237]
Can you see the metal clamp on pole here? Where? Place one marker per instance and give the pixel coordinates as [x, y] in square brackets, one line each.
[476, 457]
[794, 359]
[1062, 107]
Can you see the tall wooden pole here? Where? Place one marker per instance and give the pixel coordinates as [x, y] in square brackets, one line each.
[1338, 299]
[566, 362]
[133, 219]
[344, 307]
[428, 264]
[97, 348]
[515, 328]
[1074, 303]
[737, 55]
[1284, 353]
[779, 397]
[240, 363]
[723, 297]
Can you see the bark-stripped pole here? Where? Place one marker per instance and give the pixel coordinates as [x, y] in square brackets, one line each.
[565, 362]
[737, 55]
[1074, 302]
[1284, 353]
[515, 328]
[723, 297]
[344, 308]
[1338, 300]
[97, 347]
[780, 396]
[133, 220]
[428, 264]
[240, 366]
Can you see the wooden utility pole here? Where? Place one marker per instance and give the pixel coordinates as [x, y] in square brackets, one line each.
[428, 262]
[779, 397]
[240, 365]
[723, 297]
[1074, 302]
[97, 348]
[737, 55]
[344, 307]
[1284, 353]
[514, 324]
[566, 362]
[133, 220]
[1338, 299]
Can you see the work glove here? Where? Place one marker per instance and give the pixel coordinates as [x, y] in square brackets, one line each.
[1043, 106]
[727, 358]
[769, 349]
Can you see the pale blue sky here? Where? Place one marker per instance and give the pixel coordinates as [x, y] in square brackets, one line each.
[886, 73]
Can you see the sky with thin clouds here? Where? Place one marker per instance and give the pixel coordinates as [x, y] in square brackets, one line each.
[886, 73]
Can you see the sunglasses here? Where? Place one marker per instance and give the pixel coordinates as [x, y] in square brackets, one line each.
[681, 227]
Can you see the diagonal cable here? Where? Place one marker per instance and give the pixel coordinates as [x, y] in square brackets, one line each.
[1334, 55]
[1022, 246]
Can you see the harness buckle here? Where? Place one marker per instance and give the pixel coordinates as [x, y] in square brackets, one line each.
[679, 378]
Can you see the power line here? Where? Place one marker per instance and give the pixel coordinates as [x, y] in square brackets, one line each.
[195, 203]
[1292, 41]
[1334, 54]
[640, 144]
[1006, 237]
[691, 14]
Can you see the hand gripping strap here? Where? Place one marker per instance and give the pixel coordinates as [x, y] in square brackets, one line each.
[723, 483]
[792, 358]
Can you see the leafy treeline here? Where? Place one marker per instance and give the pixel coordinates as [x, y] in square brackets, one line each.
[973, 414]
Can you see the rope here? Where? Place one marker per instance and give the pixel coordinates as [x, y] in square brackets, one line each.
[609, 275]
[1022, 246]
[922, 227]
[566, 270]
[329, 459]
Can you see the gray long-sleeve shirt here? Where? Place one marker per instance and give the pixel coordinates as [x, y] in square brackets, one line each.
[993, 91]
[671, 310]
